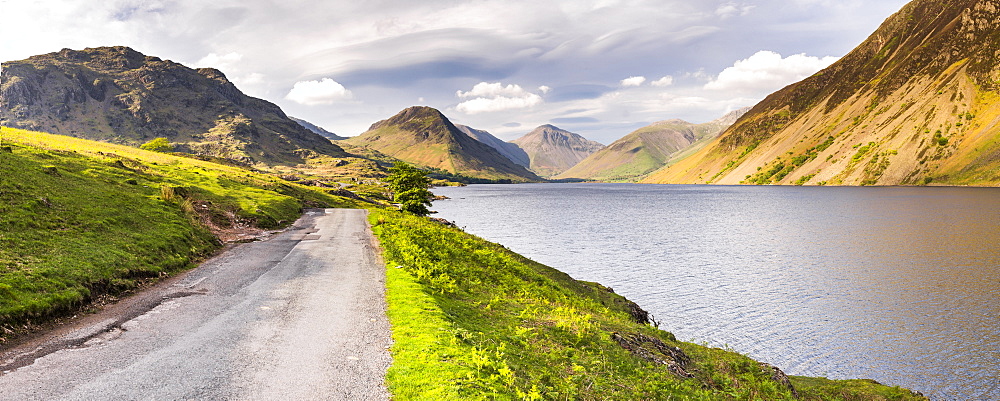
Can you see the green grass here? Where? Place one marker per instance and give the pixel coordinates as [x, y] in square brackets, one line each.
[818, 388]
[79, 219]
[473, 320]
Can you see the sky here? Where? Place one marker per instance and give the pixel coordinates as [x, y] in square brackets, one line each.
[600, 68]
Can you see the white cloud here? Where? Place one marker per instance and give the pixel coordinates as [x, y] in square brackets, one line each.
[490, 97]
[732, 9]
[484, 105]
[633, 81]
[699, 75]
[767, 71]
[544, 89]
[221, 62]
[665, 81]
[312, 93]
[253, 78]
[486, 89]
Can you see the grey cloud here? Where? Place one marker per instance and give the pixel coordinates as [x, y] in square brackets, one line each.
[574, 120]
[457, 44]
[412, 74]
[577, 92]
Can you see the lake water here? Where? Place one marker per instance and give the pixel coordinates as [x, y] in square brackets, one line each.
[900, 285]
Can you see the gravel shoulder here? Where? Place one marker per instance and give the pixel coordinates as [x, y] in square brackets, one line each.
[298, 316]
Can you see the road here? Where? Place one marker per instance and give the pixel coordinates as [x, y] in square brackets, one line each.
[300, 316]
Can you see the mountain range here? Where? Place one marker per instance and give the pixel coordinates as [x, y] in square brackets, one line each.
[318, 130]
[916, 103]
[647, 149]
[117, 94]
[425, 137]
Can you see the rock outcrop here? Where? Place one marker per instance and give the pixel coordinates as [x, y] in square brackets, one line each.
[552, 150]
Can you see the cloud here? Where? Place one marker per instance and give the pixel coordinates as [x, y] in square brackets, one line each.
[253, 78]
[767, 71]
[574, 120]
[312, 93]
[633, 81]
[665, 81]
[490, 97]
[221, 62]
[496, 89]
[731, 9]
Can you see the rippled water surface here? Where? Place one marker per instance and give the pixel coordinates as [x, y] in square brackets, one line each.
[900, 285]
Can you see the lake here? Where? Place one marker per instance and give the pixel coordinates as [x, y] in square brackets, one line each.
[900, 285]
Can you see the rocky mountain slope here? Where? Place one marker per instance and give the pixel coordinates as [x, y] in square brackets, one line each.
[553, 150]
[117, 94]
[916, 103]
[509, 150]
[425, 137]
[649, 148]
[318, 130]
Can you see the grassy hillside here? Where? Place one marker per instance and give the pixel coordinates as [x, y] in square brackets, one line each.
[79, 219]
[636, 154]
[917, 103]
[473, 321]
[648, 149]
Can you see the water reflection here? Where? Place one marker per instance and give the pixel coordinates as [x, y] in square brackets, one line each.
[896, 284]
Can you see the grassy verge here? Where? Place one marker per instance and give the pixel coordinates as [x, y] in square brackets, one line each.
[472, 320]
[79, 219]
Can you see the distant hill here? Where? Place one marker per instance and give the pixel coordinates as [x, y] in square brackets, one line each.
[509, 150]
[318, 130]
[116, 94]
[553, 150]
[425, 137]
[647, 149]
[915, 103]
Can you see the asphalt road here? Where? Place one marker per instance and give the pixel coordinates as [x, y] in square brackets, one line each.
[300, 316]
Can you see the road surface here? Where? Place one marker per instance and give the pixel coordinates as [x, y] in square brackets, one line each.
[300, 316]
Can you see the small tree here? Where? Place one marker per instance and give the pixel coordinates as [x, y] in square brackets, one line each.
[409, 186]
[157, 145]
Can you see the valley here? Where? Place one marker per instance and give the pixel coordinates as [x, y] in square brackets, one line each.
[123, 173]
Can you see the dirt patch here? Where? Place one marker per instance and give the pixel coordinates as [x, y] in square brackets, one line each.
[227, 225]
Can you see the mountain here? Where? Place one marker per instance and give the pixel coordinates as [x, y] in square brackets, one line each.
[915, 103]
[317, 129]
[553, 150]
[509, 150]
[425, 137]
[116, 94]
[647, 149]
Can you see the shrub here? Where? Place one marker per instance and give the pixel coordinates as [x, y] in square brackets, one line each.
[161, 145]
